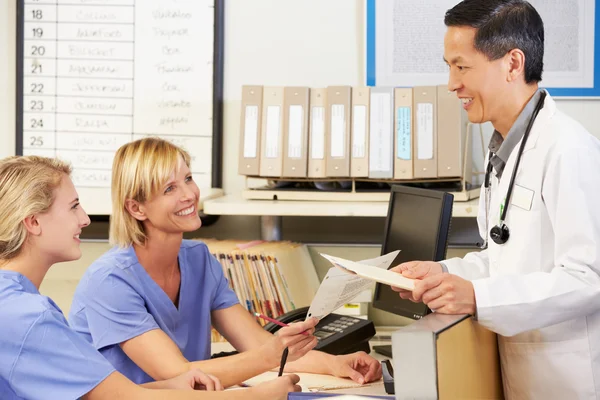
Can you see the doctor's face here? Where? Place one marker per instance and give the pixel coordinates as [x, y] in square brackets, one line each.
[61, 225]
[477, 81]
[174, 209]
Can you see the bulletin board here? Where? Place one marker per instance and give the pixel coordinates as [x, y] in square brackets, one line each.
[404, 44]
[93, 75]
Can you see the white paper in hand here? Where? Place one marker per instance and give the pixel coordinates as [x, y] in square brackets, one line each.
[376, 274]
[340, 287]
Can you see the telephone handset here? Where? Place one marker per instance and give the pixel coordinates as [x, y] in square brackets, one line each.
[337, 334]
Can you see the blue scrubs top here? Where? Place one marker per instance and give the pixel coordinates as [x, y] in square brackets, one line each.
[116, 300]
[41, 357]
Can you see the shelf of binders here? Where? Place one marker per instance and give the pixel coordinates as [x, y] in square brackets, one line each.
[295, 136]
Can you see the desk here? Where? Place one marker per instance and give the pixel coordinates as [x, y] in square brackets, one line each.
[272, 211]
[375, 389]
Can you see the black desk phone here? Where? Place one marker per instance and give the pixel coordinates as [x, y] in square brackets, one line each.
[337, 334]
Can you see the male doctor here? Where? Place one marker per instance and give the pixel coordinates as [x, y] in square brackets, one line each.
[538, 282]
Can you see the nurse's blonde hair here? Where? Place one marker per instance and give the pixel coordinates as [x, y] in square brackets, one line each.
[139, 171]
[27, 185]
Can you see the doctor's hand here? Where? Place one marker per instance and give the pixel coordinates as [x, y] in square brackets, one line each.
[193, 379]
[359, 366]
[446, 294]
[416, 270]
[294, 339]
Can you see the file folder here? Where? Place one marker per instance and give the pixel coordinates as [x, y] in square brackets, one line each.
[359, 159]
[337, 128]
[271, 155]
[316, 130]
[425, 128]
[381, 137]
[295, 138]
[249, 153]
[403, 129]
[452, 130]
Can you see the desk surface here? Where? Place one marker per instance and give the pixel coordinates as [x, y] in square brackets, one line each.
[236, 205]
[313, 380]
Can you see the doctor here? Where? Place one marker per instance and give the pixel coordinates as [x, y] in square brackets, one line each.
[537, 283]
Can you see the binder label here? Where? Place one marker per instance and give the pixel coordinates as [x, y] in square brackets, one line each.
[317, 133]
[273, 134]
[403, 133]
[359, 131]
[295, 132]
[337, 130]
[425, 131]
[250, 131]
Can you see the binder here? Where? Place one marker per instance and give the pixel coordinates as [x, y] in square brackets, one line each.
[425, 131]
[381, 137]
[452, 129]
[403, 137]
[271, 154]
[295, 125]
[249, 153]
[316, 127]
[359, 158]
[337, 131]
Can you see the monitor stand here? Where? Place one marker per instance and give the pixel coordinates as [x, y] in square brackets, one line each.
[385, 350]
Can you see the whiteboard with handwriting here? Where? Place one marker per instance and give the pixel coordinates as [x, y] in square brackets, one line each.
[100, 73]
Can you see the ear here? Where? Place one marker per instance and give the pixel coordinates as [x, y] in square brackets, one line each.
[516, 65]
[33, 226]
[135, 209]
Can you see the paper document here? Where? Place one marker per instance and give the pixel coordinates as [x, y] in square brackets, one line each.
[340, 287]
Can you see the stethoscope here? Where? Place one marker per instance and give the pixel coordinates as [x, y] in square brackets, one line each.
[500, 233]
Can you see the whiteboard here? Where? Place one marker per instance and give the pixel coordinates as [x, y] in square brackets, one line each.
[96, 74]
[404, 44]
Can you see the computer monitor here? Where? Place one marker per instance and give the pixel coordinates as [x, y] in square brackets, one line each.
[417, 224]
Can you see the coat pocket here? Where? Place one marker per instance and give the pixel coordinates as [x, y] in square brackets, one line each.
[547, 370]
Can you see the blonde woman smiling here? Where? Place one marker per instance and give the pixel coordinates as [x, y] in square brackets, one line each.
[149, 303]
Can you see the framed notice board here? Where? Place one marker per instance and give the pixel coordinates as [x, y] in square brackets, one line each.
[95, 74]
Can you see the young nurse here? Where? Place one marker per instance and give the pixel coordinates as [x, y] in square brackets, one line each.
[149, 303]
[40, 356]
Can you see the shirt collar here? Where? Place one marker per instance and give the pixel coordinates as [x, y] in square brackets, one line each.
[502, 148]
[15, 276]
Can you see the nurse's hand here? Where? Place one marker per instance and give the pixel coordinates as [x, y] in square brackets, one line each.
[194, 379]
[446, 294]
[416, 270]
[359, 366]
[294, 338]
[277, 389]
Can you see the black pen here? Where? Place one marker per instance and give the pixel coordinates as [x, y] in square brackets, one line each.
[283, 360]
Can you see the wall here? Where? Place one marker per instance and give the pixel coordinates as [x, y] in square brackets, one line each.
[270, 42]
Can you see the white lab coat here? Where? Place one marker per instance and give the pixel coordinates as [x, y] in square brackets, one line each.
[540, 291]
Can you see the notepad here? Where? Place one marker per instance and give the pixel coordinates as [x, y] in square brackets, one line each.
[372, 273]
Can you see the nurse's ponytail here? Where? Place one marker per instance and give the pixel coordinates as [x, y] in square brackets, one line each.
[27, 186]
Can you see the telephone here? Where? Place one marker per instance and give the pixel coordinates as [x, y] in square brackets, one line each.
[337, 334]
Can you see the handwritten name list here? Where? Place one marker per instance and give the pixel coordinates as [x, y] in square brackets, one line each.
[101, 73]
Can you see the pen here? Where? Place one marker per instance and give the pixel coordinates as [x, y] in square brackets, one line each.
[284, 357]
[262, 316]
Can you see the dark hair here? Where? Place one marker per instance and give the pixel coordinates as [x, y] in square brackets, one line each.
[503, 25]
